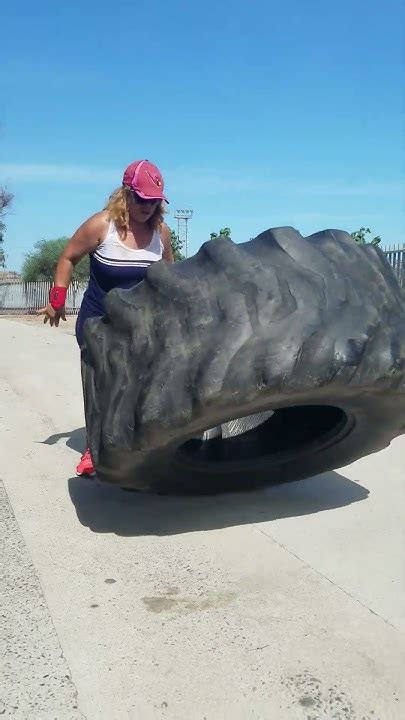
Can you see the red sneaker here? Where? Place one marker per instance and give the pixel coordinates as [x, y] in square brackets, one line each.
[85, 466]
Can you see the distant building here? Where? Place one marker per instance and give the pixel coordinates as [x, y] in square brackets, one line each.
[9, 276]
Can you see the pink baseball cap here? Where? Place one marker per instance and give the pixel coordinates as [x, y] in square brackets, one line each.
[146, 179]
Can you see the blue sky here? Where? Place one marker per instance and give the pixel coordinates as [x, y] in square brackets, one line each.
[259, 113]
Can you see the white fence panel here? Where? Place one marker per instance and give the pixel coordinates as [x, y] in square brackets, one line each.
[396, 258]
[27, 298]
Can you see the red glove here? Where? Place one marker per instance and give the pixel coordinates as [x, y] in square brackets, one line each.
[57, 297]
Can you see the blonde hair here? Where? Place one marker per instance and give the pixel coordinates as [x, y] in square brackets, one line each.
[117, 209]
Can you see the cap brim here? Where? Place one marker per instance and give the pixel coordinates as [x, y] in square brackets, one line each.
[143, 196]
[151, 197]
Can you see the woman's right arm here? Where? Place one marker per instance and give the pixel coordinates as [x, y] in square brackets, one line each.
[86, 239]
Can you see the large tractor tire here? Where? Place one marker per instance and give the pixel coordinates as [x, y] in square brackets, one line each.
[247, 365]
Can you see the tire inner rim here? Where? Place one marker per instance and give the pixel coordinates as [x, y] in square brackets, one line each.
[286, 431]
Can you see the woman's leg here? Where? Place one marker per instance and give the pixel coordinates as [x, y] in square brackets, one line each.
[79, 328]
[85, 466]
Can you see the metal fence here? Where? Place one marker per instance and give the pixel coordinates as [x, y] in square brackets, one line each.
[26, 298]
[396, 258]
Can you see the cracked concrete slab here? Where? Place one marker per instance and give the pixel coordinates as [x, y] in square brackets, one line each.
[279, 604]
[35, 680]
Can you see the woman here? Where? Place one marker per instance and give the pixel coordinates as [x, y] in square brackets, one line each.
[123, 240]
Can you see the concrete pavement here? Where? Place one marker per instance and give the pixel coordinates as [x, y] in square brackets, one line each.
[280, 604]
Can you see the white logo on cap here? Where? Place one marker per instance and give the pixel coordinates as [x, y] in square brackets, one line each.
[155, 179]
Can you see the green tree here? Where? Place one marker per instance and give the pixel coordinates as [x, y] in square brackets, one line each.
[6, 199]
[224, 232]
[41, 263]
[360, 237]
[177, 247]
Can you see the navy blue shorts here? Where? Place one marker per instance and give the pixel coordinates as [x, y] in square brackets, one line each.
[84, 314]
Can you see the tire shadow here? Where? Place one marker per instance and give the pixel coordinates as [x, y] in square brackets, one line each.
[107, 509]
[75, 439]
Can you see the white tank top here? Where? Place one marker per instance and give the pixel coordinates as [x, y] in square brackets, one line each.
[114, 265]
[112, 249]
